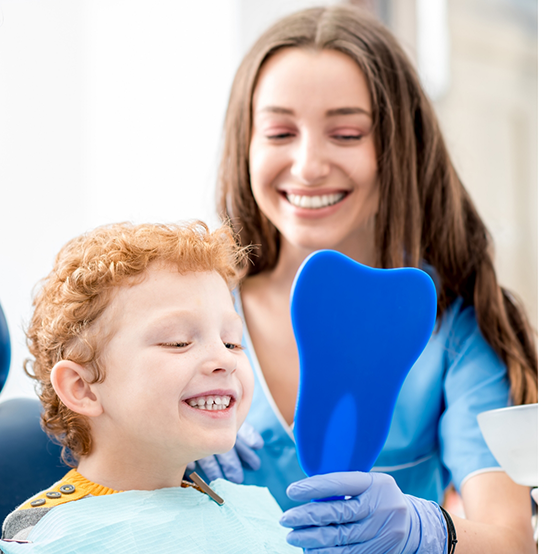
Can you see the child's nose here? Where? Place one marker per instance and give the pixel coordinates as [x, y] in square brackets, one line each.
[220, 359]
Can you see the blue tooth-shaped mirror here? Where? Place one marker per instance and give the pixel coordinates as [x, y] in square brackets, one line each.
[359, 330]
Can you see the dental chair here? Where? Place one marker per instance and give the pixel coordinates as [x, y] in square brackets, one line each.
[29, 460]
[5, 351]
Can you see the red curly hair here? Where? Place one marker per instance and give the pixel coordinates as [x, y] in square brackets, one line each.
[77, 291]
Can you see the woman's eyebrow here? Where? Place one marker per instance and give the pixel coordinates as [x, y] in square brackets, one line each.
[346, 111]
[328, 113]
[276, 109]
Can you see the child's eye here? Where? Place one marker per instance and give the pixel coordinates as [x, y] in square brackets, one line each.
[175, 344]
[232, 346]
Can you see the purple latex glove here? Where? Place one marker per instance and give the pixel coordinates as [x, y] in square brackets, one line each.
[230, 464]
[378, 517]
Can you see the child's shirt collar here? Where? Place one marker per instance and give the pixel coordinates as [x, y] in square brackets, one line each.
[73, 486]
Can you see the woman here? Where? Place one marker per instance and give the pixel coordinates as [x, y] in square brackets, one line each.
[330, 142]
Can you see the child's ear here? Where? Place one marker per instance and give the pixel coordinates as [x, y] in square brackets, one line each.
[69, 380]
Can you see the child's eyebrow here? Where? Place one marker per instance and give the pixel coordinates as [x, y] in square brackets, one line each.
[179, 317]
[168, 322]
[235, 316]
[176, 316]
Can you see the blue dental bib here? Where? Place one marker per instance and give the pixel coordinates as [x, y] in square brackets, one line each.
[172, 521]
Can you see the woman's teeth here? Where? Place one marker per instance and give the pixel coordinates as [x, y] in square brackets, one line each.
[315, 202]
[209, 402]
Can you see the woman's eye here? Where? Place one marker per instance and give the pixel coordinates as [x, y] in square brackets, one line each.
[279, 136]
[348, 138]
[276, 131]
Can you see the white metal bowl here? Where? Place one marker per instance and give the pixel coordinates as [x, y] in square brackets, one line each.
[512, 436]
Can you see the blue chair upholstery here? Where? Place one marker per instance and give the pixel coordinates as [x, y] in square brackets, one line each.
[29, 460]
[5, 350]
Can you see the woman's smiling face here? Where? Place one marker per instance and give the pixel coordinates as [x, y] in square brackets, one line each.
[313, 166]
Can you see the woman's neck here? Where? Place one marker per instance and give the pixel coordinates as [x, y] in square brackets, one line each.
[292, 257]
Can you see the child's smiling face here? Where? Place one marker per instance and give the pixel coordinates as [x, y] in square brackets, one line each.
[178, 384]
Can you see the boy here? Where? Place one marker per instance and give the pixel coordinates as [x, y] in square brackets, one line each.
[137, 354]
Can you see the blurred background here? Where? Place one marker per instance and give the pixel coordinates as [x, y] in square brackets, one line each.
[112, 110]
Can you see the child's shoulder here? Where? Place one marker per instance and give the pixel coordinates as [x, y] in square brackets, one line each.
[19, 523]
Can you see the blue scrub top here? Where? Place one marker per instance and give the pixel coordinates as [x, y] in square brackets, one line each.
[434, 437]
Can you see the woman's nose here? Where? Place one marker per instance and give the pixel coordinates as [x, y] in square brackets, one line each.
[310, 164]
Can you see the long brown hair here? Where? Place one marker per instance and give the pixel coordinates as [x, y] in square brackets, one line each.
[424, 210]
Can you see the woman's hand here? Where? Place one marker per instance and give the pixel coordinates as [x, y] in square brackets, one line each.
[378, 517]
[230, 465]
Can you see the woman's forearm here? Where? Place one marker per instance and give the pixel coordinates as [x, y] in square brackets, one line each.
[477, 538]
[498, 517]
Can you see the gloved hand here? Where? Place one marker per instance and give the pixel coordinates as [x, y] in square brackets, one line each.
[229, 465]
[377, 518]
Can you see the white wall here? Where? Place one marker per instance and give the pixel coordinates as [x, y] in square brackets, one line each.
[110, 110]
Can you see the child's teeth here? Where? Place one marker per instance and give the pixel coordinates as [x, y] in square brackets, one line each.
[210, 402]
